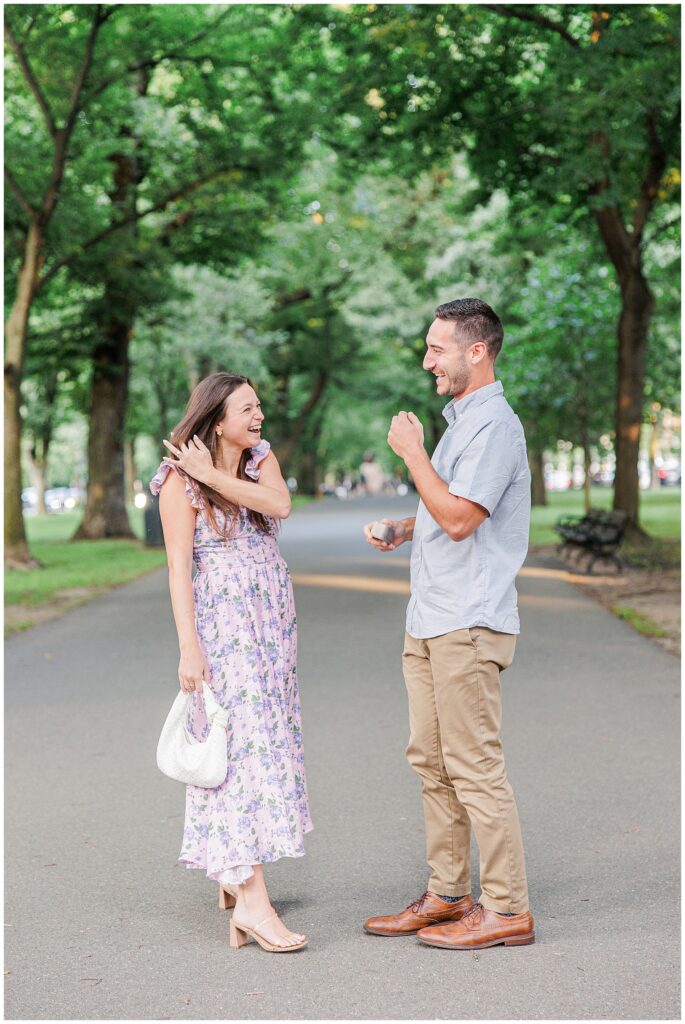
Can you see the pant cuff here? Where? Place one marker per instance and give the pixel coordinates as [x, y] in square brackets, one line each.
[449, 888]
[502, 906]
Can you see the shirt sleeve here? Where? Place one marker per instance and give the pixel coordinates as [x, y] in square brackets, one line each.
[487, 466]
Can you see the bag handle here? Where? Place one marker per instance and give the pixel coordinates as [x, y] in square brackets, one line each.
[215, 713]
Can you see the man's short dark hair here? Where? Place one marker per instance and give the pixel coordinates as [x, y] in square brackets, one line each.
[473, 321]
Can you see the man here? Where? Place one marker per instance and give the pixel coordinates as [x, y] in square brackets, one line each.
[469, 539]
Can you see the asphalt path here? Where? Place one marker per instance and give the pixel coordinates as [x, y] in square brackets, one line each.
[102, 923]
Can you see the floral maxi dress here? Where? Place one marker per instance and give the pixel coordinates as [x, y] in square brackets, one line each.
[245, 620]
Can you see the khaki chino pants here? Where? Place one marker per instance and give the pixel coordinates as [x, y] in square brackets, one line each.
[455, 714]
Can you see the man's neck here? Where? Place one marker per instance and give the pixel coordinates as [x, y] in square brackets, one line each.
[474, 387]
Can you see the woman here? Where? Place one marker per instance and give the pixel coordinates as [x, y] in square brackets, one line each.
[221, 495]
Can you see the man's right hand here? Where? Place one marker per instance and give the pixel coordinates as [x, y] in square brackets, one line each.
[401, 534]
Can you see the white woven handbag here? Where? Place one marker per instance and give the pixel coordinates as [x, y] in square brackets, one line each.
[182, 757]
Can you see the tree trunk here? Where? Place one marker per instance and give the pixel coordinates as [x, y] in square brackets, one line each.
[587, 479]
[538, 493]
[288, 450]
[38, 468]
[625, 249]
[278, 366]
[130, 474]
[199, 368]
[308, 469]
[633, 330]
[39, 449]
[654, 438]
[165, 426]
[17, 554]
[105, 512]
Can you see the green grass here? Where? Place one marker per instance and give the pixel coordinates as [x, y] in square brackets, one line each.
[659, 512]
[299, 500]
[81, 565]
[77, 565]
[642, 623]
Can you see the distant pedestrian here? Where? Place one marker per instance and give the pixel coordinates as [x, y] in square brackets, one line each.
[469, 539]
[221, 498]
[372, 475]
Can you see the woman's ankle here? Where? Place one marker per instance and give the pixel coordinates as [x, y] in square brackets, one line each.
[252, 897]
[252, 902]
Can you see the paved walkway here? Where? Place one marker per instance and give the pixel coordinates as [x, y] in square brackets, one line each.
[101, 923]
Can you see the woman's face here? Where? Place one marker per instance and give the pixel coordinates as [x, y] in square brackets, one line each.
[243, 418]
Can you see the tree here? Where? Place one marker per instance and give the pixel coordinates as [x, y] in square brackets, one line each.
[559, 365]
[210, 322]
[57, 361]
[343, 309]
[174, 100]
[563, 105]
[37, 202]
[201, 112]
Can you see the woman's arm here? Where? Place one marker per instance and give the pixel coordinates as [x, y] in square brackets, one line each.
[270, 495]
[178, 522]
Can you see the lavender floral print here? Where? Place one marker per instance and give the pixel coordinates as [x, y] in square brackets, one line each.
[245, 619]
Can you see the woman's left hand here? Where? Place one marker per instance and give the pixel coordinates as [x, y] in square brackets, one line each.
[194, 458]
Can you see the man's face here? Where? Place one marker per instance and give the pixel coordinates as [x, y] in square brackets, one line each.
[446, 359]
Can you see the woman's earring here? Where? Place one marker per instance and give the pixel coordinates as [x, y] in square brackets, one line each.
[219, 433]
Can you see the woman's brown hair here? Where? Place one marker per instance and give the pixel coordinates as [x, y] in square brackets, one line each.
[207, 407]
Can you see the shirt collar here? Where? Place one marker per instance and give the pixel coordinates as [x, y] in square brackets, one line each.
[458, 406]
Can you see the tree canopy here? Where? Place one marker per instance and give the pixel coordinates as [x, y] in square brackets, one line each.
[289, 190]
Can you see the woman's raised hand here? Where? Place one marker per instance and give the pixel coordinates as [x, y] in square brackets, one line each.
[194, 458]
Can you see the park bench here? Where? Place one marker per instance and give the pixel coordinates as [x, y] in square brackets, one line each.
[599, 533]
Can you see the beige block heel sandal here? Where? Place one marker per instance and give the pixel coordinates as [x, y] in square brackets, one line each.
[238, 936]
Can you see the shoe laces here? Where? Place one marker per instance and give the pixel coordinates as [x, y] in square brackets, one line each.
[475, 911]
[418, 904]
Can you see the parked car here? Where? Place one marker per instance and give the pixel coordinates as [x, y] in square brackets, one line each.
[29, 499]
[63, 499]
[603, 478]
[558, 480]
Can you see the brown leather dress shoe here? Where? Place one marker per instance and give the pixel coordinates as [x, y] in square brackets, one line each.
[479, 928]
[428, 909]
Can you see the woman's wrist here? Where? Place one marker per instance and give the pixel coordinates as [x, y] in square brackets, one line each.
[213, 478]
[189, 645]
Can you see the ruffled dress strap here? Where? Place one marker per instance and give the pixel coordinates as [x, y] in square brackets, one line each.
[257, 455]
[160, 476]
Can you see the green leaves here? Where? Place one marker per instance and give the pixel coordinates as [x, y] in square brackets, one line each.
[309, 181]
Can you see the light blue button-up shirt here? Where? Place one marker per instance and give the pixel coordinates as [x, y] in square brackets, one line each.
[466, 583]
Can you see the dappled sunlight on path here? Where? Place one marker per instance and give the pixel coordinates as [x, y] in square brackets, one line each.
[370, 584]
[383, 585]
[535, 572]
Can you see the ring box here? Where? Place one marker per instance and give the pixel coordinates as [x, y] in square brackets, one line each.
[381, 531]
